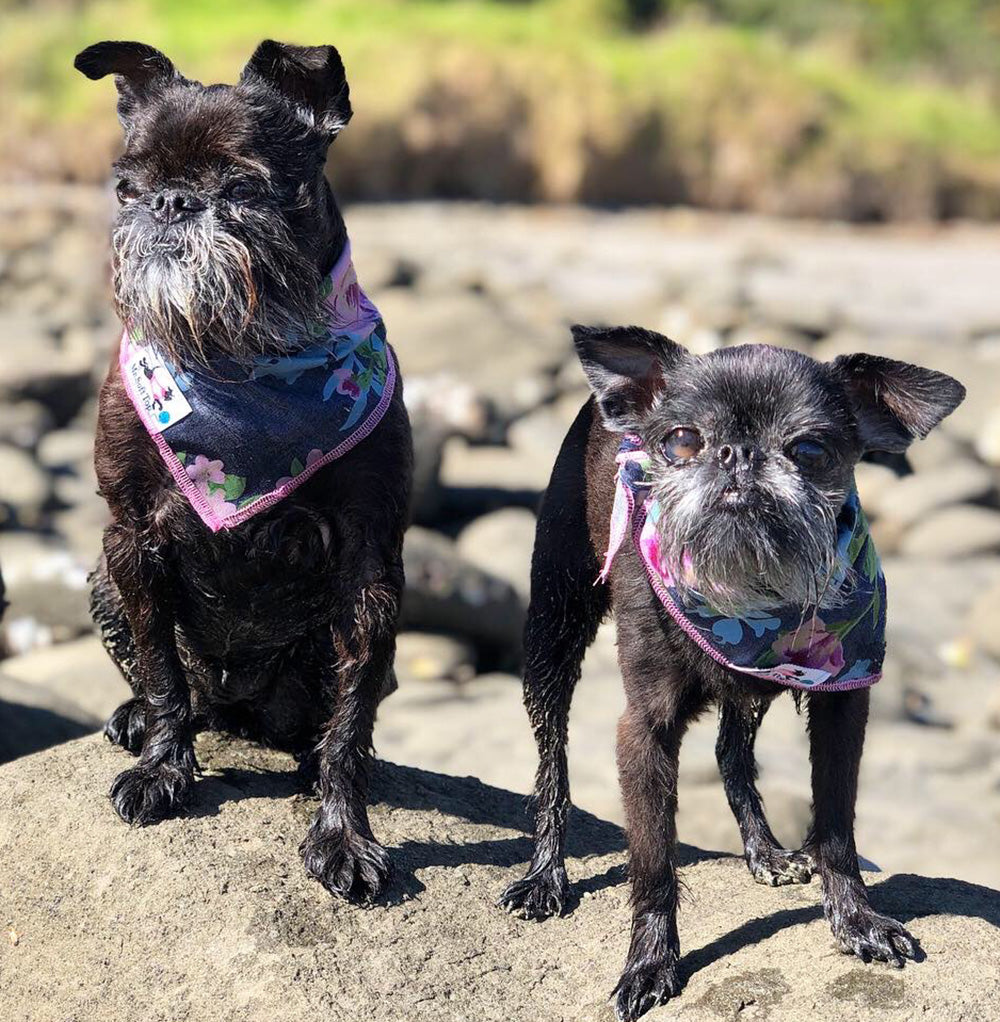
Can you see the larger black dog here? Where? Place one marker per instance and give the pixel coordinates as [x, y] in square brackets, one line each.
[751, 454]
[282, 629]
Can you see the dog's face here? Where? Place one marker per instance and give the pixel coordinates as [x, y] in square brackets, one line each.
[753, 452]
[225, 217]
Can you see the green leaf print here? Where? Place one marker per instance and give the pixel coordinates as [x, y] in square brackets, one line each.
[182, 456]
[234, 487]
[296, 468]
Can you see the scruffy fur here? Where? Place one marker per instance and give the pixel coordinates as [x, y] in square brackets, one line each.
[282, 629]
[757, 526]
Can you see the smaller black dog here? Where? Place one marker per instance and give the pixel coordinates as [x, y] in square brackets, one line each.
[739, 564]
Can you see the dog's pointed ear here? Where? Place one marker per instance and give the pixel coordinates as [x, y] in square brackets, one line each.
[311, 78]
[894, 402]
[140, 72]
[625, 366]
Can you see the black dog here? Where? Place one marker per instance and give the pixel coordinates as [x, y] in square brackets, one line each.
[751, 455]
[281, 629]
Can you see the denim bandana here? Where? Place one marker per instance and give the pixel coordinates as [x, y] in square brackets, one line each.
[237, 440]
[830, 649]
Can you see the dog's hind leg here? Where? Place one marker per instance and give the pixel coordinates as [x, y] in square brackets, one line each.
[127, 725]
[565, 610]
[768, 862]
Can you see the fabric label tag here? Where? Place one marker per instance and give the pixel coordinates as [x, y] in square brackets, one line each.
[154, 386]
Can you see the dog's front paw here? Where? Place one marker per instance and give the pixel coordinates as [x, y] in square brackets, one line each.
[873, 937]
[146, 794]
[346, 864]
[778, 866]
[644, 985]
[127, 726]
[538, 895]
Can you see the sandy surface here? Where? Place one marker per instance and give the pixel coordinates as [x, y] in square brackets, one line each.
[210, 917]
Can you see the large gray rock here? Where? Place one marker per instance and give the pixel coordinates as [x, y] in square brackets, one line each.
[24, 488]
[501, 543]
[960, 531]
[445, 593]
[211, 917]
[80, 673]
[33, 718]
[915, 496]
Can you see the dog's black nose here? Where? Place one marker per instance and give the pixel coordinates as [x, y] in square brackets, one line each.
[735, 456]
[175, 204]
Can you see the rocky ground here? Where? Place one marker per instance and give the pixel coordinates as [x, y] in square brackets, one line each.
[478, 300]
[210, 917]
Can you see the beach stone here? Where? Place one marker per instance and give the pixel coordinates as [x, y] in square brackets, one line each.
[872, 481]
[33, 718]
[23, 423]
[913, 497]
[66, 449]
[960, 531]
[24, 487]
[36, 368]
[446, 594]
[467, 465]
[425, 656]
[939, 449]
[81, 673]
[984, 621]
[501, 543]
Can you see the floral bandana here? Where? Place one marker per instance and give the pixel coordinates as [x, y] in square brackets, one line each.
[833, 650]
[239, 441]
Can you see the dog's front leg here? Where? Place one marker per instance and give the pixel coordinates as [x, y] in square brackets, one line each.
[161, 780]
[340, 850]
[837, 723]
[647, 766]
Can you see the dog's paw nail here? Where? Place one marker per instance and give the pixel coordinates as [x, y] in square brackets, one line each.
[537, 896]
[776, 867]
[144, 795]
[348, 865]
[644, 987]
[872, 937]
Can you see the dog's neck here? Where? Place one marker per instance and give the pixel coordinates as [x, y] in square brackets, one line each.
[335, 237]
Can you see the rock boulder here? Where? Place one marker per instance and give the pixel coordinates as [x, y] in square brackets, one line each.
[210, 916]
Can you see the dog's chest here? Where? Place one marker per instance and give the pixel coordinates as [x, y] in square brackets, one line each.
[261, 586]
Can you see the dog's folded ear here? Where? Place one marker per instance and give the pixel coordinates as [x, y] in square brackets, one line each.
[311, 78]
[140, 71]
[624, 366]
[894, 402]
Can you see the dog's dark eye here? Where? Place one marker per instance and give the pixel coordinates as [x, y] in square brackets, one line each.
[808, 454]
[242, 190]
[126, 191]
[682, 443]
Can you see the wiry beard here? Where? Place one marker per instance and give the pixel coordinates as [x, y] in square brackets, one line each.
[199, 291]
[781, 550]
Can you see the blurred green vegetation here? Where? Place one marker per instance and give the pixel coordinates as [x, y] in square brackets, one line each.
[857, 108]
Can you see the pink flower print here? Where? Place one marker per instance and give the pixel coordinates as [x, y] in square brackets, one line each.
[811, 645]
[203, 471]
[346, 384]
[222, 507]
